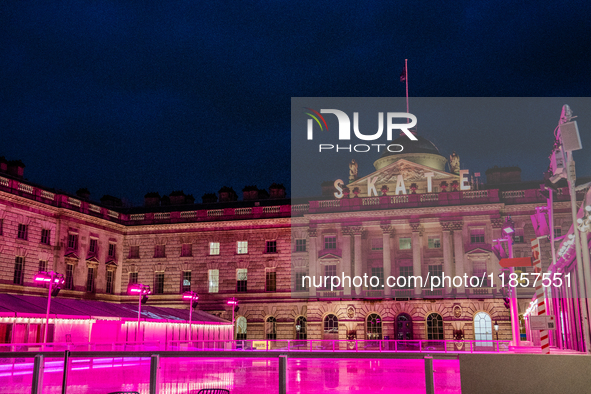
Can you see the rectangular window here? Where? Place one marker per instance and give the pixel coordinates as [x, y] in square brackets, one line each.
[90, 280]
[406, 272]
[73, 241]
[1, 226]
[160, 251]
[110, 282]
[270, 281]
[69, 277]
[19, 270]
[241, 278]
[187, 250]
[434, 243]
[112, 249]
[159, 283]
[214, 248]
[42, 265]
[45, 236]
[404, 243]
[300, 245]
[133, 278]
[330, 242]
[22, 231]
[186, 285]
[330, 271]
[299, 286]
[134, 252]
[557, 232]
[379, 273]
[377, 244]
[477, 236]
[214, 281]
[518, 237]
[479, 270]
[93, 245]
[435, 270]
[271, 247]
[242, 247]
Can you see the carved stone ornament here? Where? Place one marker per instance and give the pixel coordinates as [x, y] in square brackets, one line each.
[312, 232]
[457, 226]
[417, 228]
[387, 229]
[497, 223]
[446, 226]
[350, 311]
[457, 311]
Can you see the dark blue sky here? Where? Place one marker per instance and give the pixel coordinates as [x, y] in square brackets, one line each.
[125, 98]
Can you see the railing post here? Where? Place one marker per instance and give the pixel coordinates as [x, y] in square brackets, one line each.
[430, 387]
[38, 366]
[65, 374]
[282, 374]
[154, 367]
[333, 345]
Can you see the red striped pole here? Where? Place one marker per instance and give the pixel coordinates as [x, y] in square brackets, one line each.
[540, 298]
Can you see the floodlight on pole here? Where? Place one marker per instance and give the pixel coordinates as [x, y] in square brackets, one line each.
[143, 291]
[192, 297]
[55, 281]
[234, 303]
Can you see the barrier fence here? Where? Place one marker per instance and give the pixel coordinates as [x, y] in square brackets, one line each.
[276, 345]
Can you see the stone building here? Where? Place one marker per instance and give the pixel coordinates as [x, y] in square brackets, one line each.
[423, 221]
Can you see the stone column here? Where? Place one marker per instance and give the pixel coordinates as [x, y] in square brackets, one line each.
[357, 231]
[497, 225]
[346, 258]
[312, 264]
[417, 249]
[387, 231]
[448, 263]
[459, 252]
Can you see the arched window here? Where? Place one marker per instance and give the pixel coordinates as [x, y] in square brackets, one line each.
[331, 327]
[403, 327]
[271, 328]
[482, 327]
[300, 328]
[374, 326]
[241, 328]
[434, 326]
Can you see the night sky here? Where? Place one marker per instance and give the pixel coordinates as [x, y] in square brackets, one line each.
[126, 98]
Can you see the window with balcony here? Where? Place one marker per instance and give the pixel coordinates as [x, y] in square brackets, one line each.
[214, 281]
[330, 242]
[404, 243]
[378, 272]
[45, 236]
[214, 248]
[436, 270]
[186, 250]
[241, 280]
[134, 252]
[159, 283]
[271, 247]
[23, 230]
[434, 243]
[160, 251]
[19, 270]
[479, 270]
[186, 285]
[330, 270]
[270, 281]
[300, 245]
[242, 247]
[406, 272]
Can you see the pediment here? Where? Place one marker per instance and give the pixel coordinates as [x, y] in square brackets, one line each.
[411, 172]
[478, 251]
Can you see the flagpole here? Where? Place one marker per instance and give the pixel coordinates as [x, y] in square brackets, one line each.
[406, 72]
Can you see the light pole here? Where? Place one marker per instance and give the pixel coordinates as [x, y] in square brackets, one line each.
[497, 329]
[192, 297]
[507, 232]
[143, 291]
[53, 278]
[234, 303]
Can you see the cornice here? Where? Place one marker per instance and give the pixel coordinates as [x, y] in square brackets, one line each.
[228, 225]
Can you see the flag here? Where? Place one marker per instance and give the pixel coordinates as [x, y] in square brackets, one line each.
[403, 74]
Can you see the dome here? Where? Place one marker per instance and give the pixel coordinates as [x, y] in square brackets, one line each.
[422, 151]
[422, 145]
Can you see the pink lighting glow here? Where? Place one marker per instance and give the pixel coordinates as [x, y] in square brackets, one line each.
[139, 289]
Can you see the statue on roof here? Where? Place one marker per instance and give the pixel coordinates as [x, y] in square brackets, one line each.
[454, 163]
[353, 170]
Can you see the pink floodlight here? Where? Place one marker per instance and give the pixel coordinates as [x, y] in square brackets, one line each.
[138, 288]
[232, 302]
[190, 295]
[45, 277]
